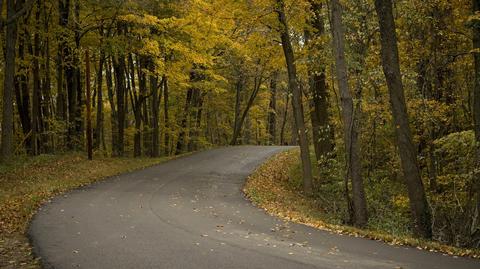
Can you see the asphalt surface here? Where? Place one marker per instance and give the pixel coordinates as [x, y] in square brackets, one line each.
[191, 213]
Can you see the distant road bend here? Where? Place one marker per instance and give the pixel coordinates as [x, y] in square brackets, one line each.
[191, 213]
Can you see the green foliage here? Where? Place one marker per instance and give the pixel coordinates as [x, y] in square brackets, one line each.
[456, 153]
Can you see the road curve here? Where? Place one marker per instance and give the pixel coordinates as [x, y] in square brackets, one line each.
[191, 213]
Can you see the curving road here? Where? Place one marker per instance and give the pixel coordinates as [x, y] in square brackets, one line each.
[190, 213]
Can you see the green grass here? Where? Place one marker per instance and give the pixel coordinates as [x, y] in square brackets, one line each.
[276, 187]
[27, 182]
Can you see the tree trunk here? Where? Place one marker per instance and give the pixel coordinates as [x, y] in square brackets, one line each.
[64, 13]
[47, 105]
[183, 124]
[156, 99]
[78, 121]
[349, 119]
[89, 111]
[37, 91]
[22, 91]
[285, 118]
[114, 114]
[322, 141]
[119, 70]
[8, 84]
[100, 117]
[272, 112]
[196, 120]
[297, 98]
[238, 100]
[137, 101]
[142, 63]
[165, 114]
[71, 69]
[391, 67]
[251, 99]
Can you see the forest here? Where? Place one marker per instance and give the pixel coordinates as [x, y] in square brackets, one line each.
[381, 96]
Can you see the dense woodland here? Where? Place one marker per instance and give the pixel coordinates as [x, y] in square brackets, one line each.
[374, 90]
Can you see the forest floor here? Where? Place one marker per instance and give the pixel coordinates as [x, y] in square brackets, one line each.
[276, 187]
[26, 183]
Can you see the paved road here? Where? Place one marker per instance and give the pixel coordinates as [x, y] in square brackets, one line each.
[190, 213]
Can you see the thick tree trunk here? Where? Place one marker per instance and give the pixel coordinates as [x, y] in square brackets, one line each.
[349, 119]
[8, 84]
[321, 135]
[391, 67]
[72, 79]
[297, 98]
[119, 70]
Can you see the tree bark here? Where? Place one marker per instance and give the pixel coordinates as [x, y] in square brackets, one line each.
[100, 117]
[239, 123]
[297, 98]
[352, 149]
[47, 105]
[114, 114]
[183, 124]
[156, 99]
[37, 91]
[285, 118]
[22, 91]
[64, 14]
[196, 121]
[89, 109]
[166, 116]
[320, 119]
[8, 84]
[391, 68]
[272, 112]
[119, 70]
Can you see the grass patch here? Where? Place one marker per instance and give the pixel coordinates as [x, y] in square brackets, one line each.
[27, 182]
[276, 187]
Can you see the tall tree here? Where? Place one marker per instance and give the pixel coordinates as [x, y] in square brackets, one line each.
[15, 9]
[272, 112]
[321, 126]
[350, 122]
[297, 97]
[391, 68]
[89, 108]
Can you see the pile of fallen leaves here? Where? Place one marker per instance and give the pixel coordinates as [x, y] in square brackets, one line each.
[24, 186]
[270, 188]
